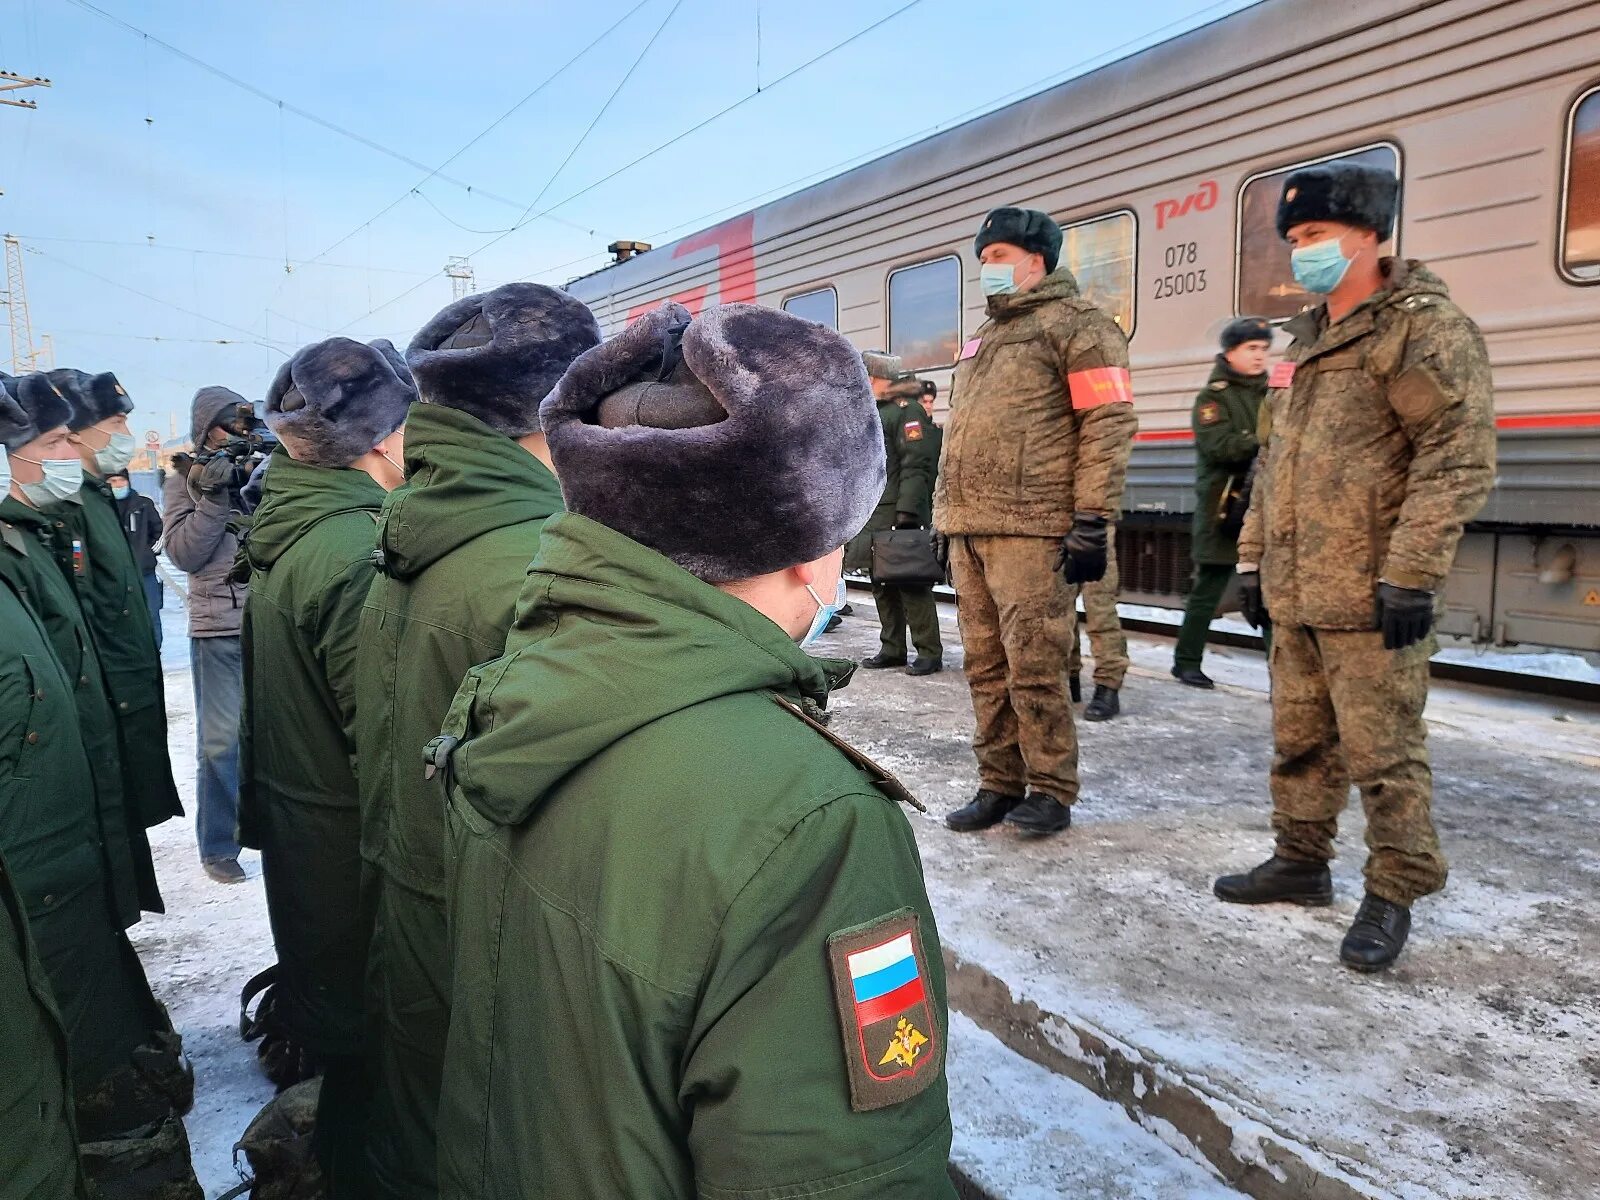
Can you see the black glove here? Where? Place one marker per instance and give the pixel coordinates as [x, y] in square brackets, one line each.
[1251, 604]
[905, 520]
[1083, 551]
[941, 549]
[1404, 614]
[212, 476]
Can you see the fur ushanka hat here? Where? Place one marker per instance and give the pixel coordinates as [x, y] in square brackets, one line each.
[883, 366]
[29, 408]
[785, 467]
[335, 400]
[496, 355]
[1026, 228]
[1245, 329]
[1348, 193]
[94, 398]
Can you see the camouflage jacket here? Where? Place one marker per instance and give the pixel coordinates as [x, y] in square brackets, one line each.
[1041, 419]
[1381, 448]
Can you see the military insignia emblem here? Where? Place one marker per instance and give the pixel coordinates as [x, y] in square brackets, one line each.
[892, 1044]
[913, 431]
[1288, 197]
[1219, 385]
[1210, 413]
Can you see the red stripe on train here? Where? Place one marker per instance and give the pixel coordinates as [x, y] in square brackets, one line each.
[1530, 421]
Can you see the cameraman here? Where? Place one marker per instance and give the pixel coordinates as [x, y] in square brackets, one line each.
[204, 516]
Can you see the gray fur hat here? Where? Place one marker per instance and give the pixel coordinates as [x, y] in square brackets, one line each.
[496, 355]
[1349, 193]
[788, 468]
[29, 408]
[883, 366]
[208, 408]
[335, 400]
[94, 398]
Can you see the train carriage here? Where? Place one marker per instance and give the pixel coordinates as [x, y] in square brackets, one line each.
[1164, 170]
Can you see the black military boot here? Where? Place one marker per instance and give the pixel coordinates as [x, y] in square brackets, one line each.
[1279, 879]
[1040, 814]
[1103, 705]
[1075, 688]
[983, 810]
[925, 666]
[1377, 935]
[881, 660]
[1193, 676]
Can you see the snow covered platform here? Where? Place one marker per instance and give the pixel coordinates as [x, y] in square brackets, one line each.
[1470, 1070]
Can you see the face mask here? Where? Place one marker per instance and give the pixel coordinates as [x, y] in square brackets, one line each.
[62, 479]
[997, 279]
[117, 454]
[825, 613]
[120, 491]
[1319, 268]
[5, 473]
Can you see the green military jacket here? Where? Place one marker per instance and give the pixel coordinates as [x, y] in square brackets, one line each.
[1224, 424]
[310, 550]
[1381, 448]
[693, 951]
[36, 559]
[112, 591]
[912, 462]
[1041, 417]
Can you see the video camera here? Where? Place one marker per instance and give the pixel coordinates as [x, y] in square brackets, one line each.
[249, 441]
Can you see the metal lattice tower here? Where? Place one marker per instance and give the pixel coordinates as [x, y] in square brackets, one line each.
[23, 356]
[461, 280]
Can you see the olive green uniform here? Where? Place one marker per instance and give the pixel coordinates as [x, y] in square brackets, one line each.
[1041, 426]
[1382, 447]
[1225, 418]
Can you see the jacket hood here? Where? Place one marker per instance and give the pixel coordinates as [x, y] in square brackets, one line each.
[208, 405]
[463, 479]
[609, 636]
[1060, 284]
[1221, 370]
[295, 497]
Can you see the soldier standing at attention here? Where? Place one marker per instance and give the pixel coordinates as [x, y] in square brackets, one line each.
[1382, 448]
[337, 408]
[453, 550]
[1224, 422]
[907, 504]
[694, 955]
[1035, 455]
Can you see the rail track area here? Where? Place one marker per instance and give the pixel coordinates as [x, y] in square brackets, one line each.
[1101, 962]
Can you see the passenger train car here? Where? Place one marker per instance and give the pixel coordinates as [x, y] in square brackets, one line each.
[1164, 169]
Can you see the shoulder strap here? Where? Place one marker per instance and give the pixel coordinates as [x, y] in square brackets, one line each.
[883, 779]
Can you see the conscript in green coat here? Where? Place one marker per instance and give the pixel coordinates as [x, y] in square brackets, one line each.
[337, 407]
[694, 955]
[454, 545]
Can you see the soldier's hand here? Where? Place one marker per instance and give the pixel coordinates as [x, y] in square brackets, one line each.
[1251, 604]
[905, 520]
[1404, 614]
[941, 549]
[212, 476]
[1083, 550]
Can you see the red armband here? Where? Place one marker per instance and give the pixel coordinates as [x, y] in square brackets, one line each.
[1102, 385]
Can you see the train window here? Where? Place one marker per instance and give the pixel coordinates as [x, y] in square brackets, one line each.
[821, 306]
[1100, 254]
[1266, 285]
[925, 313]
[1580, 202]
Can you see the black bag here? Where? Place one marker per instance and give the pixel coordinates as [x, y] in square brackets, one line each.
[1233, 504]
[905, 557]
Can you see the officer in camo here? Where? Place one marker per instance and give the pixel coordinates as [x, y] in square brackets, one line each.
[1381, 448]
[1035, 456]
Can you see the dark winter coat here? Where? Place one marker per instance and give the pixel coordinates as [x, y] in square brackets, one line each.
[112, 591]
[1224, 423]
[658, 864]
[912, 462]
[202, 540]
[141, 525]
[36, 559]
[1041, 417]
[455, 542]
[310, 555]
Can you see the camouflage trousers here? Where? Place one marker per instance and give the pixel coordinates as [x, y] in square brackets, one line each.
[1107, 642]
[1346, 710]
[1016, 629]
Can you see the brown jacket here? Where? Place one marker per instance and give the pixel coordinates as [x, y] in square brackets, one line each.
[1380, 450]
[1041, 417]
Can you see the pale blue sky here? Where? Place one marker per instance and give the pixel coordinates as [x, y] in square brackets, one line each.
[215, 168]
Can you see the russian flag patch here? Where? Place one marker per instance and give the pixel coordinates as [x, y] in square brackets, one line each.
[892, 1043]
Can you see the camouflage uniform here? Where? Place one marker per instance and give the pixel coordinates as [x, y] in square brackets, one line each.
[1381, 448]
[1107, 642]
[1041, 427]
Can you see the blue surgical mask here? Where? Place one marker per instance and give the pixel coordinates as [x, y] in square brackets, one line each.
[120, 490]
[997, 279]
[1320, 267]
[825, 613]
[5, 473]
[117, 454]
[62, 479]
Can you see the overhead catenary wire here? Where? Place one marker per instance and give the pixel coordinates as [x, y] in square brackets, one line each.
[150, 244]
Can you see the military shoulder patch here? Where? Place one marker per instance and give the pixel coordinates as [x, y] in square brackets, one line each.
[913, 431]
[1208, 413]
[892, 1045]
[1218, 385]
[882, 779]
